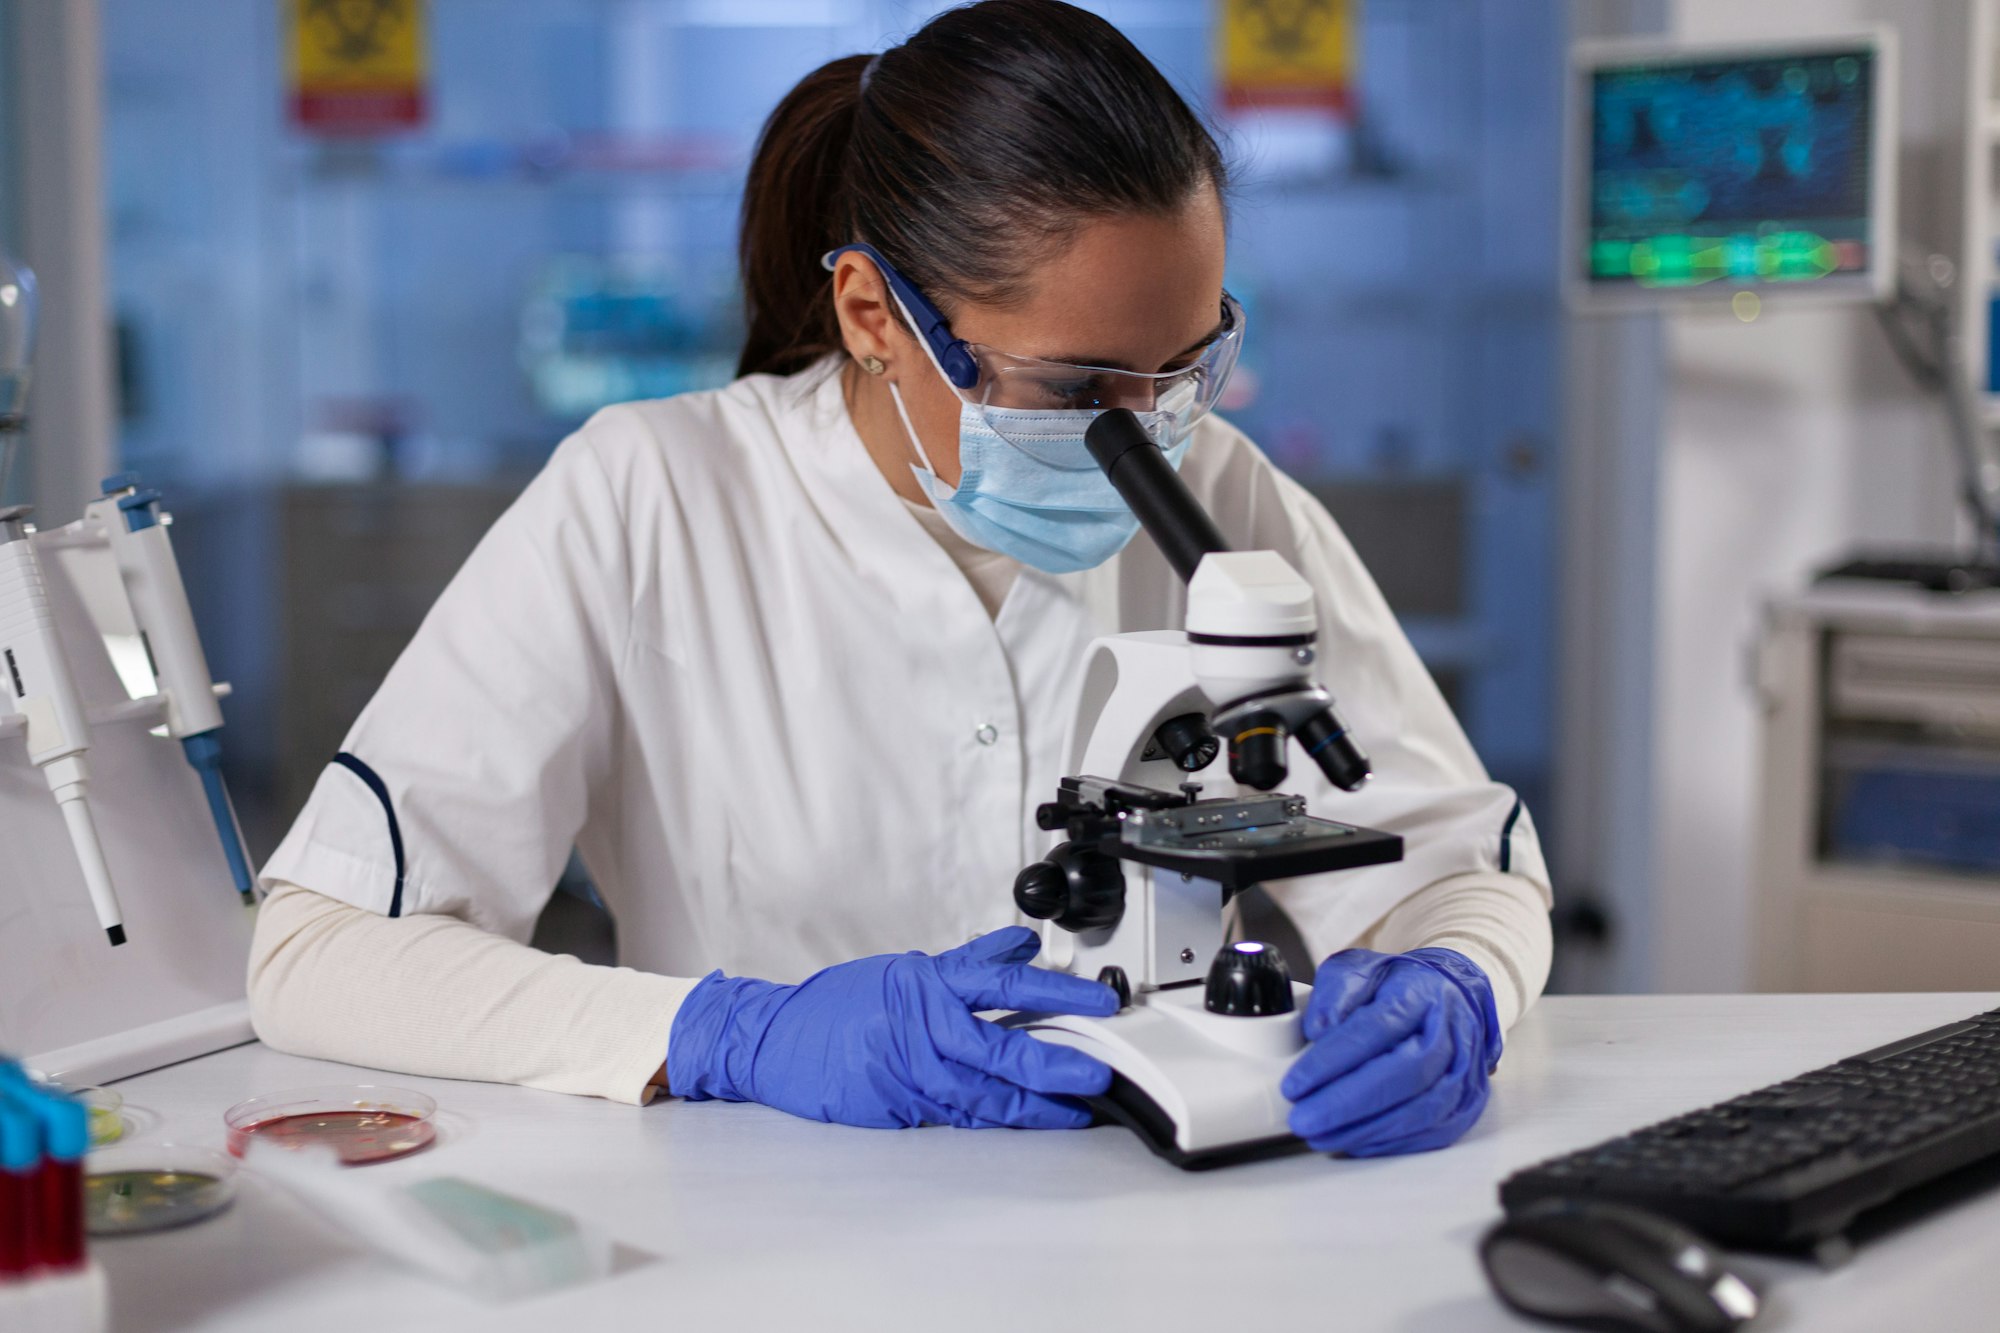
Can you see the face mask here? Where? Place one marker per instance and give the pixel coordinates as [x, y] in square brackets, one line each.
[1042, 500]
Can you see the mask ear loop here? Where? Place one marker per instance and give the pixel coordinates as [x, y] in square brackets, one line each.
[909, 429]
[896, 394]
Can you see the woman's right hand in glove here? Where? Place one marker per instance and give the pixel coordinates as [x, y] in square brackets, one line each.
[892, 1040]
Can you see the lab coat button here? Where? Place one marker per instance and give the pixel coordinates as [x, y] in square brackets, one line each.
[987, 733]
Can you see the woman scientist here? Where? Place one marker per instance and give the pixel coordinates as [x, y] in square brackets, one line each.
[789, 662]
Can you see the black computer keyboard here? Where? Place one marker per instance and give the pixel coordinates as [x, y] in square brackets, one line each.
[1793, 1164]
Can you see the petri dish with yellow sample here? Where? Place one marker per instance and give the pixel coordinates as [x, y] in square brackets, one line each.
[133, 1188]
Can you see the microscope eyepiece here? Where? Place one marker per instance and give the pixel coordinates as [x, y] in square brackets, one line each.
[1139, 471]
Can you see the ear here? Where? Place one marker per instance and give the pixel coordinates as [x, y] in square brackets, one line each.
[866, 311]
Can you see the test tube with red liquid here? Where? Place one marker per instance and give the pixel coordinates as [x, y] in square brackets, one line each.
[42, 1228]
[20, 1180]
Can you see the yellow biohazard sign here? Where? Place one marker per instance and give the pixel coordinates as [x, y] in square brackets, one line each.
[1287, 53]
[358, 66]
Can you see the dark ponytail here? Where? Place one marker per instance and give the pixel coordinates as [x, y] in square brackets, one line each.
[794, 211]
[994, 132]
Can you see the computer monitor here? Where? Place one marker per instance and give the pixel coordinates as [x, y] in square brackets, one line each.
[1698, 172]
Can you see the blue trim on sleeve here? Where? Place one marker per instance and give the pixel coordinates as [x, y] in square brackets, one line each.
[1506, 837]
[381, 790]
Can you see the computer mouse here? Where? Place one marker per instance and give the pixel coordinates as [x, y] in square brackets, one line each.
[1612, 1267]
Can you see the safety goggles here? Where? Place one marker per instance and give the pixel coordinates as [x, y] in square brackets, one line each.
[1005, 387]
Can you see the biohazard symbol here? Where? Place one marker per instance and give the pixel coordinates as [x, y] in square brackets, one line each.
[1288, 29]
[355, 31]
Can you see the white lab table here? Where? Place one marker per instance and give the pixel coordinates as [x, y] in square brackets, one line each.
[738, 1217]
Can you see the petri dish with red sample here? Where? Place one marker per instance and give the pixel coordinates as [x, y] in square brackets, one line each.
[361, 1122]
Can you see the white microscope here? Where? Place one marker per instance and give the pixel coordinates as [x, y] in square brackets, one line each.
[1136, 895]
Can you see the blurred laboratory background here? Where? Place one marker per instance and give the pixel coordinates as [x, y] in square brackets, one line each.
[340, 332]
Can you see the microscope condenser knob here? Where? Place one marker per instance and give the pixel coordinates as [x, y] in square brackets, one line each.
[1041, 891]
[1249, 979]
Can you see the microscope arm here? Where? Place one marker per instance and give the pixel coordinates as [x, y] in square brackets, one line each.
[1251, 627]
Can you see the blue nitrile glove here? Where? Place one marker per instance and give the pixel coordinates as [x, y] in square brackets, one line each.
[891, 1040]
[1401, 1046]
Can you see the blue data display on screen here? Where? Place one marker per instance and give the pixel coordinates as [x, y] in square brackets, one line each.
[1740, 171]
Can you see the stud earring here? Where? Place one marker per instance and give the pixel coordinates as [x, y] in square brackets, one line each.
[873, 365]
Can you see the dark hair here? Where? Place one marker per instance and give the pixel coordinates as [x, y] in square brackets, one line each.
[997, 129]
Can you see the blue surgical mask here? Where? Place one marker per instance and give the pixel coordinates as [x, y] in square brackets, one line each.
[1049, 505]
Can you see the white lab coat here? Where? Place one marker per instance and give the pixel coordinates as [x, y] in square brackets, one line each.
[713, 650]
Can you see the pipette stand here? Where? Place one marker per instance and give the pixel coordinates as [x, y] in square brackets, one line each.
[71, 1007]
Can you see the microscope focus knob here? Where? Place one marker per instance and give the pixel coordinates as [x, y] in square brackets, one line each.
[1248, 979]
[1077, 887]
[1041, 891]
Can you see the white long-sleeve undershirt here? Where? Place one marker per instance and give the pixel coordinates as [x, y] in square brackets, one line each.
[440, 996]
[1500, 922]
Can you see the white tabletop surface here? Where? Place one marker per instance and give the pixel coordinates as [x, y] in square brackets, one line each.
[738, 1217]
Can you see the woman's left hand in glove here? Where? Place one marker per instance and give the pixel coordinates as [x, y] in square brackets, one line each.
[1400, 1049]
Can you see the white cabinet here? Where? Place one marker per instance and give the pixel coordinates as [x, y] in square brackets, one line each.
[1879, 867]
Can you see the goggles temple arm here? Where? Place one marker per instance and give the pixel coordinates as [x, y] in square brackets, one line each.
[953, 358]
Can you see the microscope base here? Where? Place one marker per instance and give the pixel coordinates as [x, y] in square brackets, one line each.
[1126, 1105]
[1200, 1089]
